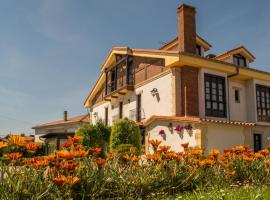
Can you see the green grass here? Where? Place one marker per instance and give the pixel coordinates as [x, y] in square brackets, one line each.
[235, 193]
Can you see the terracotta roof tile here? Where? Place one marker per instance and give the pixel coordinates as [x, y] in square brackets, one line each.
[193, 120]
[80, 118]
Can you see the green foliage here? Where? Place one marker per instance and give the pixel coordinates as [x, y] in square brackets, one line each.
[125, 131]
[97, 135]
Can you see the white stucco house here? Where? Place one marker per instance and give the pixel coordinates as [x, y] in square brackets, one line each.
[222, 97]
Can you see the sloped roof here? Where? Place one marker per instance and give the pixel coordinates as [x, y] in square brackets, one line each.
[238, 50]
[174, 42]
[194, 120]
[76, 119]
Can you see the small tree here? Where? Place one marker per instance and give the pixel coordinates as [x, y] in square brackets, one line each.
[125, 131]
[97, 135]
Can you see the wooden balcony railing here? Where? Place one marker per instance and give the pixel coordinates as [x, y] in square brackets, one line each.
[120, 77]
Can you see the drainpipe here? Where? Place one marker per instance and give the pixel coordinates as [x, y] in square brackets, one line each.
[228, 89]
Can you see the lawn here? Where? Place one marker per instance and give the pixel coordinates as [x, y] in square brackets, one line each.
[244, 192]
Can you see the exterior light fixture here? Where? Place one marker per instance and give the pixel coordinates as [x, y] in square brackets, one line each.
[154, 92]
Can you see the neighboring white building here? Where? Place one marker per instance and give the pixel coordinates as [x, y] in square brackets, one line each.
[226, 102]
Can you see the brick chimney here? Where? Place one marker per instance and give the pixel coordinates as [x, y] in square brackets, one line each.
[187, 28]
[65, 118]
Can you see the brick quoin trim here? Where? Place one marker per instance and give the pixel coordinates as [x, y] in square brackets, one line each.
[189, 79]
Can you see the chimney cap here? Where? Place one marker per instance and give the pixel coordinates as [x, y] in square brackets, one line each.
[186, 6]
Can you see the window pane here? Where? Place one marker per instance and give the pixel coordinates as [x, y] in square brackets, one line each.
[215, 95]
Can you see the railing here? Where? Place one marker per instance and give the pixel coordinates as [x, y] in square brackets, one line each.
[120, 76]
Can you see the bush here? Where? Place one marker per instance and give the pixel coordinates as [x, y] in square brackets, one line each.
[125, 131]
[97, 135]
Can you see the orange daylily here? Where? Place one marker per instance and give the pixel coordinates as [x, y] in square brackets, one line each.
[13, 156]
[66, 155]
[16, 140]
[70, 166]
[3, 145]
[100, 162]
[185, 145]
[154, 143]
[230, 173]
[40, 163]
[163, 149]
[32, 146]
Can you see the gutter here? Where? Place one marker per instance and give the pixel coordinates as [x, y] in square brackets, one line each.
[228, 90]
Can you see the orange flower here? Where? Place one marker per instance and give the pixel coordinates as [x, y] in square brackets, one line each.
[32, 146]
[170, 155]
[248, 159]
[264, 152]
[13, 156]
[258, 156]
[40, 163]
[66, 155]
[95, 151]
[77, 139]
[131, 158]
[239, 149]
[207, 162]
[163, 149]
[100, 162]
[153, 157]
[16, 140]
[268, 162]
[230, 173]
[185, 145]
[154, 143]
[80, 153]
[3, 145]
[67, 144]
[78, 147]
[63, 180]
[59, 181]
[214, 153]
[50, 158]
[196, 152]
[71, 180]
[70, 166]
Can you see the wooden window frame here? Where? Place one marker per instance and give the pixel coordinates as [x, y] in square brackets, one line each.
[237, 58]
[263, 103]
[215, 98]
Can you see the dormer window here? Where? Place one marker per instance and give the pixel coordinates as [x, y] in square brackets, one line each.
[198, 50]
[239, 60]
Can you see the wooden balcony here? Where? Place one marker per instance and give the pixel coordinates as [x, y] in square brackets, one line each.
[119, 78]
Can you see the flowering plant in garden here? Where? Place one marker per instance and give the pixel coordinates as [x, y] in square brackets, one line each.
[77, 172]
[161, 132]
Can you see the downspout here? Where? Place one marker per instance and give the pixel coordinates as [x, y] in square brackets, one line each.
[228, 90]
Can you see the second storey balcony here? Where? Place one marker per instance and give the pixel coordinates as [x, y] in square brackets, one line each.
[119, 77]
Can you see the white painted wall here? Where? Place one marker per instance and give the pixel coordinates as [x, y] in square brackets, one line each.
[223, 136]
[172, 138]
[238, 111]
[161, 105]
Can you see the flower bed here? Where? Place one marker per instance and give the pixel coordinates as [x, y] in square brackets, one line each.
[79, 173]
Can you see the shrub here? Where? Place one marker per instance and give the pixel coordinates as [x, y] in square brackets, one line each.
[125, 131]
[97, 135]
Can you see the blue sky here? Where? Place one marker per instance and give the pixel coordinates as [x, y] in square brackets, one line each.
[51, 50]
